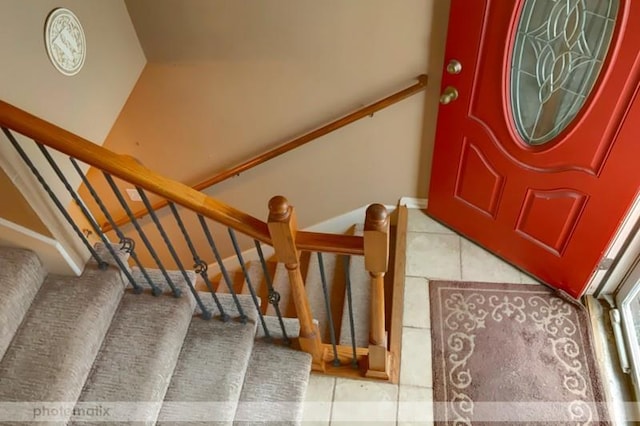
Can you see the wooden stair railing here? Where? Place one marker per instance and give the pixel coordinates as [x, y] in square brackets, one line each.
[129, 169]
[376, 359]
[293, 144]
[376, 258]
[280, 231]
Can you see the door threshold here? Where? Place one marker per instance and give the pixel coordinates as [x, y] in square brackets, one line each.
[620, 394]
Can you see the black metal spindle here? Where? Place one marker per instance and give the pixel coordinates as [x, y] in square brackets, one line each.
[136, 288]
[127, 243]
[216, 253]
[101, 263]
[327, 305]
[199, 265]
[274, 296]
[176, 291]
[252, 290]
[206, 314]
[352, 328]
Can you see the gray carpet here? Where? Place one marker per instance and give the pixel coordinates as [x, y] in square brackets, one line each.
[141, 349]
[211, 366]
[21, 275]
[281, 285]
[334, 274]
[274, 386]
[52, 353]
[336, 288]
[361, 299]
[82, 341]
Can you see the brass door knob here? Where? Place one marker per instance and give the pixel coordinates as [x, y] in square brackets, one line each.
[454, 67]
[450, 94]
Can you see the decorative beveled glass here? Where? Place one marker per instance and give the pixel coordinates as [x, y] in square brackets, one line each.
[558, 54]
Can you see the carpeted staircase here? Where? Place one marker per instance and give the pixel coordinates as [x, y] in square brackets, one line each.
[87, 340]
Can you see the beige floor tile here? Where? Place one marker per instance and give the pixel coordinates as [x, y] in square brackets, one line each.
[527, 279]
[318, 400]
[480, 265]
[415, 362]
[420, 222]
[415, 406]
[364, 402]
[433, 256]
[416, 303]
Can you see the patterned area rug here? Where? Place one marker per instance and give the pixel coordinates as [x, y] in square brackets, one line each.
[512, 353]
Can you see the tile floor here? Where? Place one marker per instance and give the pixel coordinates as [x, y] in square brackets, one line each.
[433, 252]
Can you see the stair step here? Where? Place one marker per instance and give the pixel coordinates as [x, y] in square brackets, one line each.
[281, 285]
[106, 255]
[52, 353]
[237, 281]
[291, 326]
[334, 273]
[256, 275]
[262, 290]
[274, 386]
[361, 301]
[21, 275]
[141, 348]
[211, 366]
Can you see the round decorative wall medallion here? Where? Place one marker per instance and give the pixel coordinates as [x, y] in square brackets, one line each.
[65, 42]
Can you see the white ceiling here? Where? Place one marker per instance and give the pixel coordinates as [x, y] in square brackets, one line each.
[195, 30]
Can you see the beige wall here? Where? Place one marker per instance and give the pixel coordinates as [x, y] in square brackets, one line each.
[86, 104]
[17, 210]
[228, 79]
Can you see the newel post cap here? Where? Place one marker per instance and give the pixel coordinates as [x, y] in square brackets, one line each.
[376, 217]
[279, 209]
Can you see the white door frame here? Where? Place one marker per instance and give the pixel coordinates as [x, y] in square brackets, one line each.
[628, 291]
[620, 256]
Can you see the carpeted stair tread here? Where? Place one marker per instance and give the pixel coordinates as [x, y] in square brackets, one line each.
[257, 279]
[291, 327]
[141, 348]
[54, 349]
[21, 275]
[334, 273]
[361, 300]
[107, 256]
[211, 365]
[281, 285]
[274, 386]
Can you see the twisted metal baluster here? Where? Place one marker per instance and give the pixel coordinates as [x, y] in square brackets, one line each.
[274, 296]
[216, 253]
[125, 270]
[236, 248]
[327, 305]
[352, 328]
[176, 291]
[200, 266]
[101, 263]
[206, 314]
[127, 243]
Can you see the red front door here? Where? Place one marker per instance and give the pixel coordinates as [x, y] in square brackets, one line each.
[537, 158]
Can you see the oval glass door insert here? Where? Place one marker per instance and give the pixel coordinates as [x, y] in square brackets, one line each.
[558, 54]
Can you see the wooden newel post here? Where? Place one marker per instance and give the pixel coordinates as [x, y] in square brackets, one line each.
[283, 227]
[376, 260]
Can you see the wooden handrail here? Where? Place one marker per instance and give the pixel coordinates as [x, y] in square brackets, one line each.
[292, 144]
[128, 169]
[330, 243]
